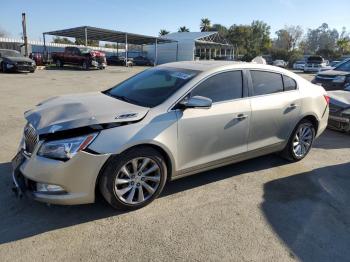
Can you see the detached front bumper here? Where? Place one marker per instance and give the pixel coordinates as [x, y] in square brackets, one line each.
[77, 177]
[339, 123]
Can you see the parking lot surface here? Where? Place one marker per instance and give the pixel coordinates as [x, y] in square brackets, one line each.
[264, 209]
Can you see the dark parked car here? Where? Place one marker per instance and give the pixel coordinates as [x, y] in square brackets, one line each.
[118, 60]
[142, 61]
[339, 110]
[81, 56]
[14, 61]
[335, 79]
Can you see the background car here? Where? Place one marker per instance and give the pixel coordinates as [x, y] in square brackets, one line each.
[339, 110]
[142, 61]
[80, 56]
[14, 61]
[165, 123]
[314, 64]
[280, 63]
[299, 65]
[118, 60]
[335, 79]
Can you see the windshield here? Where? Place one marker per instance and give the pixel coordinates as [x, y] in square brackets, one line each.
[343, 67]
[152, 87]
[315, 59]
[85, 50]
[10, 53]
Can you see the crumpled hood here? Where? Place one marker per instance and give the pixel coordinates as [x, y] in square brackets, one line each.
[19, 59]
[80, 110]
[340, 98]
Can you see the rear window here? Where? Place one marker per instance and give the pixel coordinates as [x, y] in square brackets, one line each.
[289, 83]
[266, 82]
[315, 59]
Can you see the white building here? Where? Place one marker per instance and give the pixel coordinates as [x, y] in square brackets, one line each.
[191, 46]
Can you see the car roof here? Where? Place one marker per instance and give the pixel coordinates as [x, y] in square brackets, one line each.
[213, 65]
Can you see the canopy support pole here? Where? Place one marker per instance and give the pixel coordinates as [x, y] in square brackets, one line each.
[86, 37]
[126, 49]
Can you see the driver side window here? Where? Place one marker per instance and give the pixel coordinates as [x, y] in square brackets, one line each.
[221, 87]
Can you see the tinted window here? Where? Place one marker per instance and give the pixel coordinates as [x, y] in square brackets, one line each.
[221, 87]
[152, 87]
[289, 83]
[266, 82]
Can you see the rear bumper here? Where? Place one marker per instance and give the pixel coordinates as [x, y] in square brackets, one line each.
[77, 177]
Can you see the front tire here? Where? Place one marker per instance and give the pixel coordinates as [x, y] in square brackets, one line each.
[3, 67]
[133, 179]
[300, 142]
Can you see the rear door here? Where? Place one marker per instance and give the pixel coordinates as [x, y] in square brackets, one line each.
[275, 106]
[208, 135]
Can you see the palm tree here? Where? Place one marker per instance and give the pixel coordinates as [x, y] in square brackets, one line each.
[205, 25]
[163, 32]
[183, 29]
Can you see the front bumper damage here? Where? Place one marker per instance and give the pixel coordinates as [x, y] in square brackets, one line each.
[76, 176]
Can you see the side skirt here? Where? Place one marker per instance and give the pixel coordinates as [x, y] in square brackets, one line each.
[229, 160]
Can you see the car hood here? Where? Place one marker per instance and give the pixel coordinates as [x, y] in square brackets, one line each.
[334, 73]
[340, 98]
[80, 110]
[18, 59]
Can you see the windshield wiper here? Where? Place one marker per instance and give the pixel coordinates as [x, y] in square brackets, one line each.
[122, 98]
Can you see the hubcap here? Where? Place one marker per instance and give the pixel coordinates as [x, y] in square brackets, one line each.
[302, 141]
[137, 180]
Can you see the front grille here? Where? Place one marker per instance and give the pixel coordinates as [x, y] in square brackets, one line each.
[31, 138]
[23, 63]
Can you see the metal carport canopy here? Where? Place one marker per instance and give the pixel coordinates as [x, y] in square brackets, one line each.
[100, 34]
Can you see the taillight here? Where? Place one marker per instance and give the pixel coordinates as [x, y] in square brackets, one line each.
[327, 99]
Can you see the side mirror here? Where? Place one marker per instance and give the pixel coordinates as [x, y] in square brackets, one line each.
[196, 102]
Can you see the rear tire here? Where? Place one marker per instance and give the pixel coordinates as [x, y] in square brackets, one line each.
[300, 142]
[133, 179]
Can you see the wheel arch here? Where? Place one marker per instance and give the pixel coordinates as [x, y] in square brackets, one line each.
[169, 160]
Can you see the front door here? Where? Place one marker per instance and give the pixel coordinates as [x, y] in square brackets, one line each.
[208, 136]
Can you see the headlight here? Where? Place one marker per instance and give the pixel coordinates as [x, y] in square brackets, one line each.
[339, 79]
[66, 148]
[33, 63]
[346, 112]
[9, 65]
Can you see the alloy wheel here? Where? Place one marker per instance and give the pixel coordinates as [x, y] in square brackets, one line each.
[303, 140]
[137, 180]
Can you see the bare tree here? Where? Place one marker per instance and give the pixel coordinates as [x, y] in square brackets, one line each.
[289, 37]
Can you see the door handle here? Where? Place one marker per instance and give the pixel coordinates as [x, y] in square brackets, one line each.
[293, 106]
[241, 116]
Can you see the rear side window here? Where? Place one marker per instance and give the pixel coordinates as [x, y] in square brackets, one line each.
[266, 82]
[221, 87]
[289, 83]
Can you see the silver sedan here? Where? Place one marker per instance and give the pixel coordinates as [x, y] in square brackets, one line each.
[167, 122]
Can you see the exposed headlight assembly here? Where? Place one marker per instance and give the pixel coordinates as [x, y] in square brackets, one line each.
[346, 113]
[65, 149]
[339, 79]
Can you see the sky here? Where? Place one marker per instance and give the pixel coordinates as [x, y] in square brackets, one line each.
[149, 16]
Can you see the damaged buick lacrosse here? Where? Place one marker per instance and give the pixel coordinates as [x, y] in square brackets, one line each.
[164, 123]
